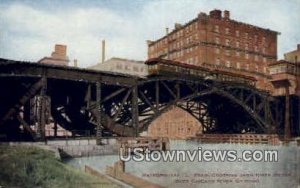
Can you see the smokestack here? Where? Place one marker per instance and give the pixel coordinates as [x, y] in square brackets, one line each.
[167, 31]
[75, 62]
[298, 47]
[103, 51]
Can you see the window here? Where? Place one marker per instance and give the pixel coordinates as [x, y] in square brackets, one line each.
[237, 33]
[216, 29]
[237, 44]
[237, 53]
[136, 69]
[227, 42]
[247, 56]
[217, 40]
[264, 59]
[218, 61]
[119, 66]
[256, 68]
[217, 51]
[238, 65]
[256, 58]
[227, 63]
[256, 48]
[265, 69]
[227, 52]
[246, 46]
[255, 38]
[246, 35]
[227, 31]
[247, 66]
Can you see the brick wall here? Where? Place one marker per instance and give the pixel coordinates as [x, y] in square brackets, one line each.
[175, 123]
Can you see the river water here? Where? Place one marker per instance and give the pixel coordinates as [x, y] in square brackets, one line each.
[283, 173]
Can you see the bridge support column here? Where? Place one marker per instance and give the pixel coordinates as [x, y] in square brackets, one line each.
[99, 114]
[41, 105]
[287, 131]
[135, 110]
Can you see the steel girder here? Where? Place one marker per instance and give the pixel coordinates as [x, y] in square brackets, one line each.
[127, 105]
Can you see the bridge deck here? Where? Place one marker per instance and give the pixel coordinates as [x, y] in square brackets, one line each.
[31, 69]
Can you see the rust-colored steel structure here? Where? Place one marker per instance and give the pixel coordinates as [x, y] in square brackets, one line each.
[125, 105]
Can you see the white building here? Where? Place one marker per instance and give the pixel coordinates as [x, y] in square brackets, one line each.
[124, 66]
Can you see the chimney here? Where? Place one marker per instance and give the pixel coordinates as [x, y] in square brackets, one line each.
[226, 15]
[60, 51]
[298, 47]
[103, 51]
[75, 62]
[149, 42]
[178, 26]
[216, 14]
[167, 31]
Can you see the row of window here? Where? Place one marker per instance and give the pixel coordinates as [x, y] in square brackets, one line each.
[239, 65]
[238, 45]
[238, 54]
[129, 68]
[182, 43]
[239, 34]
[180, 33]
[181, 53]
[176, 35]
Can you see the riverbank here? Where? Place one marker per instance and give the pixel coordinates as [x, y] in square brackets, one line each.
[28, 166]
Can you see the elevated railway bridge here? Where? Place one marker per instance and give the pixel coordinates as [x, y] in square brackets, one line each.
[33, 95]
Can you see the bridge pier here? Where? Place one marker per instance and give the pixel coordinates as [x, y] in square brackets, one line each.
[135, 110]
[41, 108]
[99, 113]
[287, 129]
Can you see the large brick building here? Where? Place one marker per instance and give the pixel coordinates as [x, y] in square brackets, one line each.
[215, 40]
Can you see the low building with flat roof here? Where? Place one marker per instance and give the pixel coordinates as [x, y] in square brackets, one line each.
[124, 66]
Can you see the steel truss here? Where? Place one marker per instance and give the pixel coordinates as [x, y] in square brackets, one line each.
[126, 105]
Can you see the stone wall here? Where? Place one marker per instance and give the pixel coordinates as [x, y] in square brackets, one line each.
[118, 172]
[86, 147]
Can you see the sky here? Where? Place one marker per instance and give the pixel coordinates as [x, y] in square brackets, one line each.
[29, 29]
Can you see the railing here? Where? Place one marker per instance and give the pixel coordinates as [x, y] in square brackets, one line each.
[237, 138]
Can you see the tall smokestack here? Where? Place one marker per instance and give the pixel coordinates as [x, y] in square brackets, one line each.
[167, 31]
[103, 51]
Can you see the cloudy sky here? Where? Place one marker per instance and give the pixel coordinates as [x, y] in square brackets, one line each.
[29, 29]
